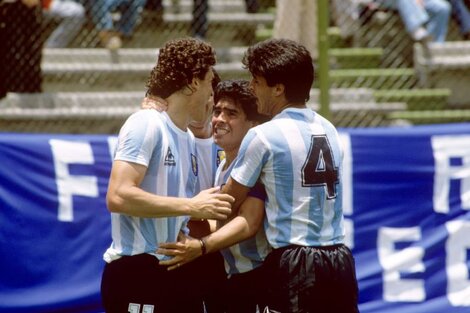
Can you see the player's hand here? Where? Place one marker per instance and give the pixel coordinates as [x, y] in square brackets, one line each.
[211, 204]
[155, 103]
[184, 251]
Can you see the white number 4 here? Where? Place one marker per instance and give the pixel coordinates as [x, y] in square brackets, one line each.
[135, 308]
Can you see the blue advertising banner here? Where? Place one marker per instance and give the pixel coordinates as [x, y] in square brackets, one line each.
[407, 209]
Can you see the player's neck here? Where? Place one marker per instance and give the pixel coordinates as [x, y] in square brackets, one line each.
[288, 105]
[203, 132]
[177, 111]
[230, 156]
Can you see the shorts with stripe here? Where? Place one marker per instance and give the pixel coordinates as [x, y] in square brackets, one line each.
[135, 283]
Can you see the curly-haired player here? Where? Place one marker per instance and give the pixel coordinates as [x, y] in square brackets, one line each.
[152, 186]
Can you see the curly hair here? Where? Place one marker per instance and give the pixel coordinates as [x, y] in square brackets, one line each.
[238, 91]
[282, 61]
[179, 61]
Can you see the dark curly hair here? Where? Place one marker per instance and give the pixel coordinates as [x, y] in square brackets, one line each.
[239, 92]
[282, 61]
[179, 61]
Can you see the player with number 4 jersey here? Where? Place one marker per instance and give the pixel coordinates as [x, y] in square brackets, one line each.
[310, 164]
[298, 158]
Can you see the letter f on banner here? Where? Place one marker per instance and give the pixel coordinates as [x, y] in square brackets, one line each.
[445, 150]
[65, 153]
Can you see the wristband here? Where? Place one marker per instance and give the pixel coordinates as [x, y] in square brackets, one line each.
[203, 246]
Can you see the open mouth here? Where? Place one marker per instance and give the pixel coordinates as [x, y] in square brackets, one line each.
[220, 130]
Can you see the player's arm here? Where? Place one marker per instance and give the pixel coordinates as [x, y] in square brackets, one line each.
[125, 196]
[238, 191]
[243, 226]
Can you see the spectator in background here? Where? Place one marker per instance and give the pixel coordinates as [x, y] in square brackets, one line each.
[297, 20]
[461, 13]
[71, 17]
[21, 46]
[199, 22]
[425, 20]
[111, 32]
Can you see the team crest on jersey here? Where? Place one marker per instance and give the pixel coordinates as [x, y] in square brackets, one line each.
[220, 156]
[170, 158]
[194, 164]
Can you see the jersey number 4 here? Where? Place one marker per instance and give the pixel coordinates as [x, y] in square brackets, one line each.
[319, 168]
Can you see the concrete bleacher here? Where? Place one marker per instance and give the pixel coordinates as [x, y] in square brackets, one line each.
[122, 70]
[102, 87]
[434, 89]
[445, 65]
[104, 112]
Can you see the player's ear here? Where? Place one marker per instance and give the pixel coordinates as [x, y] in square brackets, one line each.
[278, 90]
[195, 82]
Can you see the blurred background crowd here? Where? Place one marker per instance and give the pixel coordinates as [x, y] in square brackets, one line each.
[390, 61]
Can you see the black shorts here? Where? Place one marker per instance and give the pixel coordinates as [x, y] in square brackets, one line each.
[208, 277]
[140, 284]
[245, 292]
[311, 279]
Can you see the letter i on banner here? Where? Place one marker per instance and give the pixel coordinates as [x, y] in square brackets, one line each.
[347, 188]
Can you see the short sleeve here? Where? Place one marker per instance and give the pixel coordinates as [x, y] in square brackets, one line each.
[138, 137]
[258, 191]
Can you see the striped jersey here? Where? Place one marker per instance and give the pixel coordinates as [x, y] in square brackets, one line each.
[248, 254]
[298, 157]
[151, 139]
[210, 155]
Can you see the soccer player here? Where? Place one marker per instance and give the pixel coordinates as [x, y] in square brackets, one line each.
[298, 158]
[208, 272]
[152, 186]
[235, 112]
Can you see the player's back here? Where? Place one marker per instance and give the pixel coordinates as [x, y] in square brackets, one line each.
[301, 169]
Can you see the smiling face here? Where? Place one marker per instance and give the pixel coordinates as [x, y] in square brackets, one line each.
[229, 125]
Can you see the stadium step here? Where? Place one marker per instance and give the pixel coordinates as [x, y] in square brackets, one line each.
[416, 99]
[335, 38]
[87, 69]
[186, 6]
[377, 78]
[349, 58]
[431, 117]
[445, 65]
[132, 55]
[88, 101]
[104, 112]
[113, 77]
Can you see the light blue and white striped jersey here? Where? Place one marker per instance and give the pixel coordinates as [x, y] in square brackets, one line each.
[151, 139]
[298, 157]
[209, 155]
[248, 254]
